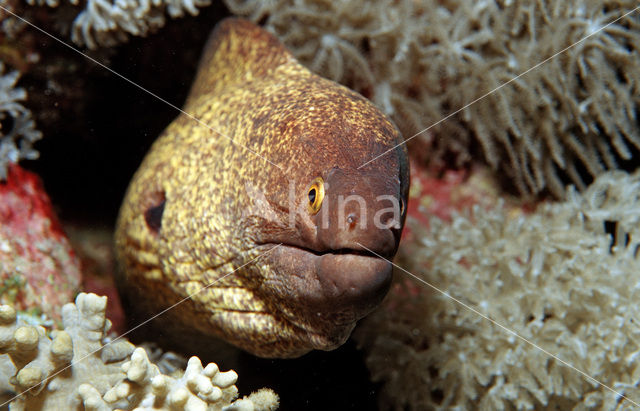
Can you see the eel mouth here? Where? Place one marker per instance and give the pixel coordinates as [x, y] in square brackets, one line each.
[349, 282]
[340, 251]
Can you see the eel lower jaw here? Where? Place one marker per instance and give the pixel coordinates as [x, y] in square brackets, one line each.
[339, 286]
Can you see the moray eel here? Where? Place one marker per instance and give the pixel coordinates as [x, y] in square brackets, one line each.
[259, 212]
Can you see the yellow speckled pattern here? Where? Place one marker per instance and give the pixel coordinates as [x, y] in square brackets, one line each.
[252, 90]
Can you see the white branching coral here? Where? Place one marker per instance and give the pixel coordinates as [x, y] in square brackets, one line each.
[79, 367]
[421, 61]
[17, 127]
[554, 277]
[109, 22]
[197, 389]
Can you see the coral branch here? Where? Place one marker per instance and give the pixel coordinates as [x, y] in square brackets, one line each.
[17, 128]
[76, 367]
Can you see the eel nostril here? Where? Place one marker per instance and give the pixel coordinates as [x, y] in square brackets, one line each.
[391, 222]
[394, 224]
[351, 221]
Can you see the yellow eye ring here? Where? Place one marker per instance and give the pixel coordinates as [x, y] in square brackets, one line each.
[316, 195]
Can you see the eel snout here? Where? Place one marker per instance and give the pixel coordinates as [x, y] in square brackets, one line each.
[342, 271]
[361, 214]
[353, 282]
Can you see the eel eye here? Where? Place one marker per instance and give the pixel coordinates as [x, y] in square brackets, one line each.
[316, 195]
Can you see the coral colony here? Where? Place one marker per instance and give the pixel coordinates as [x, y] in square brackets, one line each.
[554, 276]
[16, 141]
[106, 23]
[67, 368]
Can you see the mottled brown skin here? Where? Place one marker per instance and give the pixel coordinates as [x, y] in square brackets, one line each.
[201, 206]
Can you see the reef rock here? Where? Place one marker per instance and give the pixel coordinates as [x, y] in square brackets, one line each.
[38, 267]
